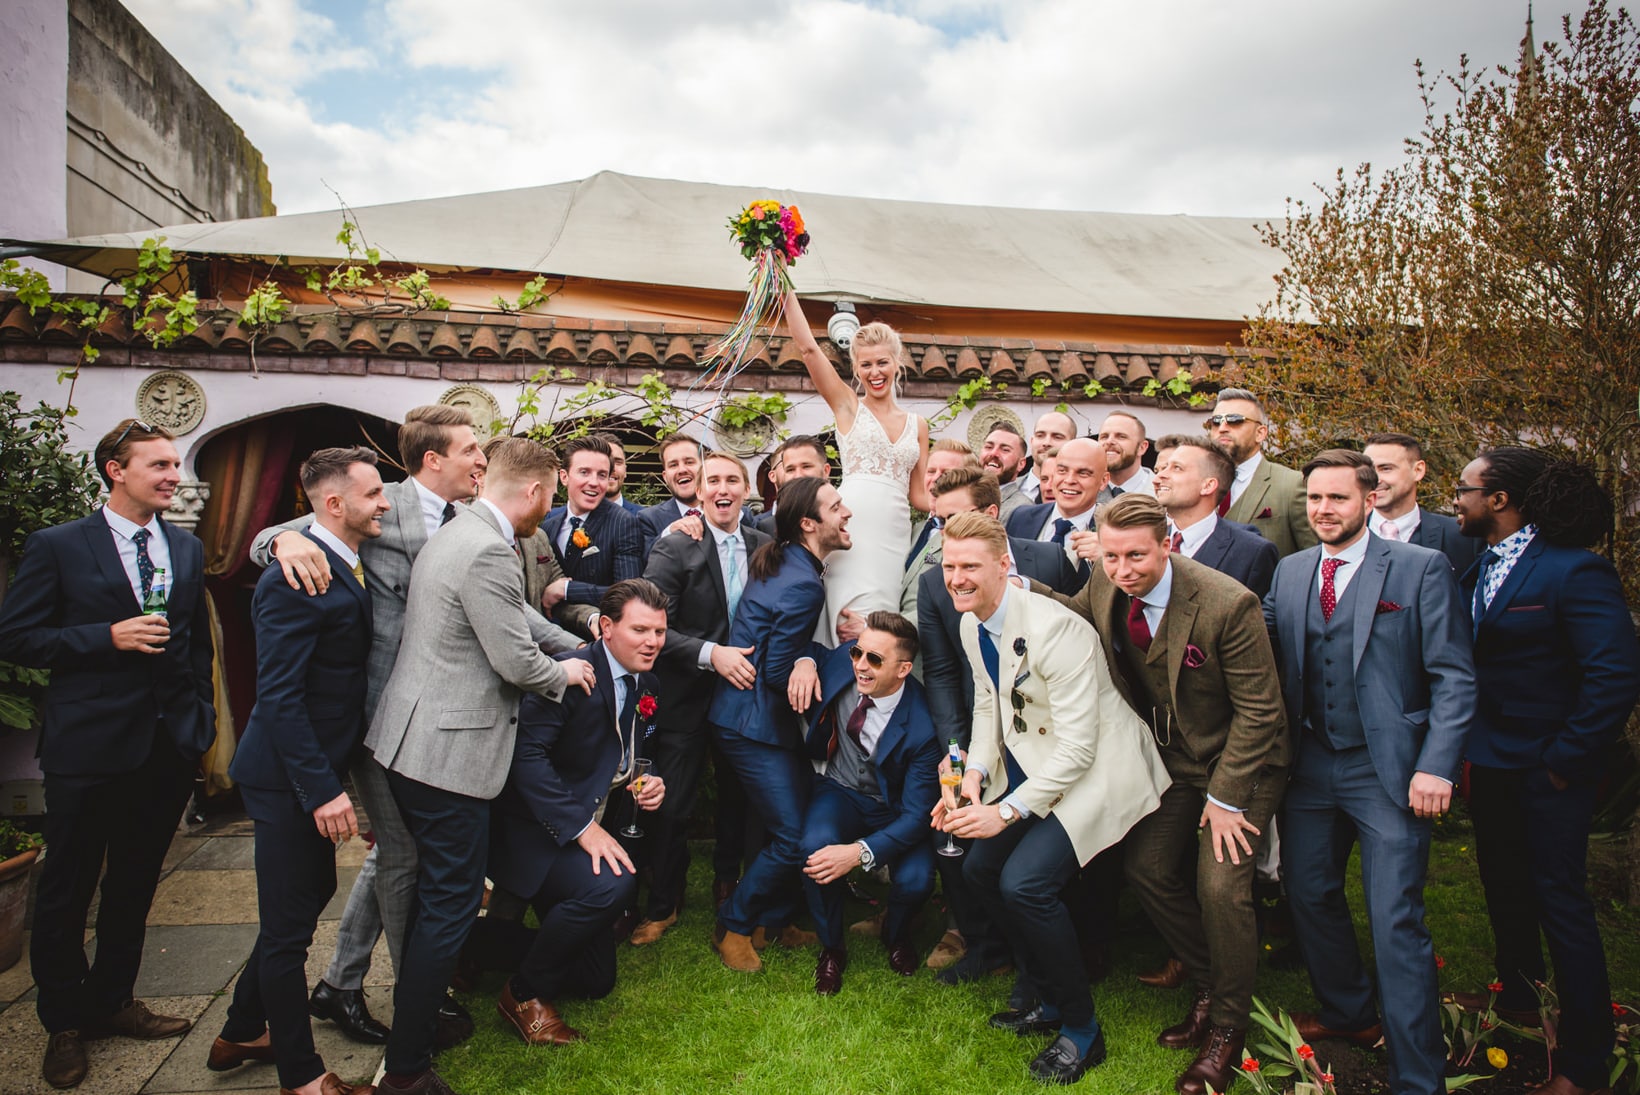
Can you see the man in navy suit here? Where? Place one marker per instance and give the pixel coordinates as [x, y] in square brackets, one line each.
[1396, 515]
[873, 733]
[759, 729]
[1559, 670]
[547, 838]
[681, 458]
[703, 580]
[1373, 648]
[1079, 476]
[598, 543]
[1192, 475]
[126, 718]
[312, 658]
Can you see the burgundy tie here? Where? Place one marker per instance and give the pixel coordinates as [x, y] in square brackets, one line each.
[1224, 504]
[1176, 544]
[857, 722]
[1138, 628]
[1329, 593]
[691, 513]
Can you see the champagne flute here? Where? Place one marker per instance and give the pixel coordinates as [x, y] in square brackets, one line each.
[640, 774]
[952, 778]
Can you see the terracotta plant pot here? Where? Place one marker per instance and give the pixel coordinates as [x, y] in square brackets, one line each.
[14, 875]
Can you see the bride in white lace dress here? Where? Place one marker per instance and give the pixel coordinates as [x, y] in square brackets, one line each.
[883, 449]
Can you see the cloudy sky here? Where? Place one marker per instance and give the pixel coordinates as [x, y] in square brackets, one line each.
[1161, 106]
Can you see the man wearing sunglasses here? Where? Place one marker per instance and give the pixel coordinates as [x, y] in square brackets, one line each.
[1059, 769]
[880, 778]
[126, 718]
[1266, 495]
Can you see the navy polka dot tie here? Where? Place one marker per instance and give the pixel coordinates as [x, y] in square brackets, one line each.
[145, 565]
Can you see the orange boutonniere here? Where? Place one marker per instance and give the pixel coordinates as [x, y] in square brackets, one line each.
[580, 539]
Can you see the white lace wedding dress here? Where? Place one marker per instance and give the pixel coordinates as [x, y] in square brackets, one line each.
[876, 489]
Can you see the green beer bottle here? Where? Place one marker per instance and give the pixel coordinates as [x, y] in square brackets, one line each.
[154, 604]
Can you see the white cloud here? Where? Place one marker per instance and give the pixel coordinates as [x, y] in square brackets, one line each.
[1186, 106]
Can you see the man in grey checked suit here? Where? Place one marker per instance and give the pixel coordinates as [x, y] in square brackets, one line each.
[445, 725]
[439, 449]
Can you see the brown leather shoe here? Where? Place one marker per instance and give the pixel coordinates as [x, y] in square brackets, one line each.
[64, 1064]
[736, 950]
[828, 972]
[1170, 975]
[871, 925]
[331, 1084]
[427, 1083]
[1560, 1085]
[1309, 1027]
[902, 958]
[134, 1020]
[226, 1054]
[1215, 1066]
[536, 1021]
[650, 931]
[1192, 1029]
[949, 949]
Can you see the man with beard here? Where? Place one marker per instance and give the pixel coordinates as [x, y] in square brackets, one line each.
[1123, 438]
[680, 470]
[1264, 494]
[1192, 475]
[943, 455]
[1005, 456]
[1372, 642]
[1052, 430]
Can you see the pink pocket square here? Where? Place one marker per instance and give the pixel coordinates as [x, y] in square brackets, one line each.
[1194, 658]
[1387, 606]
[1265, 512]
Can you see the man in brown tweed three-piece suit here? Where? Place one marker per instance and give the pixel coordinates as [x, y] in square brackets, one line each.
[1192, 656]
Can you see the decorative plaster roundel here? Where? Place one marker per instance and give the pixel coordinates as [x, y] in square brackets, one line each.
[172, 401]
[987, 419]
[476, 401]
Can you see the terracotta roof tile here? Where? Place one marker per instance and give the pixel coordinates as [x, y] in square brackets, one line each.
[445, 343]
[680, 352]
[968, 364]
[1001, 367]
[1036, 365]
[234, 337]
[17, 323]
[285, 337]
[1106, 371]
[324, 337]
[561, 348]
[641, 351]
[364, 338]
[485, 345]
[1071, 368]
[522, 345]
[405, 339]
[935, 364]
[602, 350]
[60, 328]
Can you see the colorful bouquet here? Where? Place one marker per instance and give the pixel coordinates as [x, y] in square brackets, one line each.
[773, 237]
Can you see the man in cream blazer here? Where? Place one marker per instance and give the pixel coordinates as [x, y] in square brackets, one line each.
[1059, 768]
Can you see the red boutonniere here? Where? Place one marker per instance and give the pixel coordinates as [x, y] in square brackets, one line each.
[580, 539]
[1387, 606]
[1265, 513]
[1194, 657]
[647, 705]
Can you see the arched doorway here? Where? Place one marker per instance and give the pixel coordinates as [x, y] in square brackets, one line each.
[251, 468]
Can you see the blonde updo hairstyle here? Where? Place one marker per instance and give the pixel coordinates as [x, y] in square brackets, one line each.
[878, 334]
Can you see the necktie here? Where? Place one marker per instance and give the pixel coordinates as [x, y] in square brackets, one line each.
[629, 711]
[358, 571]
[1483, 598]
[449, 512]
[993, 666]
[145, 565]
[1115, 491]
[922, 540]
[857, 722]
[1224, 504]
[572, 550]
[1176, 544]
[1329, 593]
[1061, 529]
[1390, 531]
[1138, 626]
[691, 512]
[733, 584]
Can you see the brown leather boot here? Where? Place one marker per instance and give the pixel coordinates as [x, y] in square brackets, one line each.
[650, 931]
[1170, 975]
[1192, 1029]
[736, 950]
[1215, 1065]
[536, 1021]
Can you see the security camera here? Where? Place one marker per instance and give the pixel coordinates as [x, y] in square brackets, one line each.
[843, 323]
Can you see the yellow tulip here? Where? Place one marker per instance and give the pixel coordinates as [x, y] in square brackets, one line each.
[1498, 1058]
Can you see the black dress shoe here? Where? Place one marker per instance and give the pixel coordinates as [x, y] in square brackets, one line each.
[902, 958]
[1061, 1064]
[1023, 1022]
[828, 972]
[454, 1025]
[346, 1008]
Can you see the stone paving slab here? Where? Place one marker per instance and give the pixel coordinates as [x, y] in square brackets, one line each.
[17, 980]
[118, 1066]
[222, 853]
[192, 958]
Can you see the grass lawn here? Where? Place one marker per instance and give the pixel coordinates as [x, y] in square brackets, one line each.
[679, 1022]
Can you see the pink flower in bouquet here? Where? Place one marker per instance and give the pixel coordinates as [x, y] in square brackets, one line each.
[756, 212]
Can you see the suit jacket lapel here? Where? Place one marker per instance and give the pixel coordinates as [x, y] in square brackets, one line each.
[1517, 578]
[1248, 505]
[1008, 658]
[1214, 548]
[553, 525]
[412, 525]
[712, 561]
[1177, 623]
[1291, 607]
[1370, 585]
[99, 537]
[338, 568]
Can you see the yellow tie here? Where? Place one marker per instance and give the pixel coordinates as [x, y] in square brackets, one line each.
[358, 570]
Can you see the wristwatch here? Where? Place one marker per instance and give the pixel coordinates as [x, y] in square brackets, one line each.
[1007, 813]
[867, 860]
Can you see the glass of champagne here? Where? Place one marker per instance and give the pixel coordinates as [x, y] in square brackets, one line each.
[952, 778]
[640, 774]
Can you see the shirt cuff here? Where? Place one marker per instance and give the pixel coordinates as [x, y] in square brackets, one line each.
[1443, 779]
[1019, 807]
[1225, 805]
[584, 828]
[704, 659]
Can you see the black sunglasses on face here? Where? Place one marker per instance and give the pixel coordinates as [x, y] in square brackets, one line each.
[873, 659]
[1217, 420]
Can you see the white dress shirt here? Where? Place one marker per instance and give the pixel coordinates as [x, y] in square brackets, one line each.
[1138, 483]
[1405, 525]
[882, 709]
[159, 549]
[506, 522]
[1244, 475]
[566, 531]
[1351, 557]
[1196, 535]
[727, 543]
[332, 541]
[432, 507]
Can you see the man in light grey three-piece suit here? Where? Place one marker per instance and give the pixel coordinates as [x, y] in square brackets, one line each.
[1373, 645]
[445, 461]
[445, 725]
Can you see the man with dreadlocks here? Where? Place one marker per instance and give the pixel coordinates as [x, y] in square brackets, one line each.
[1558, 670]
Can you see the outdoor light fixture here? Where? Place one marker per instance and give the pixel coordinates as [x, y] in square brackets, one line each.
[843, 323]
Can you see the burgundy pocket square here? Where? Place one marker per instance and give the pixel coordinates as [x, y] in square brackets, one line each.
[1265, 512]
[1194, 658]
[1526, 608]
[541, 560]
[1387, 606]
